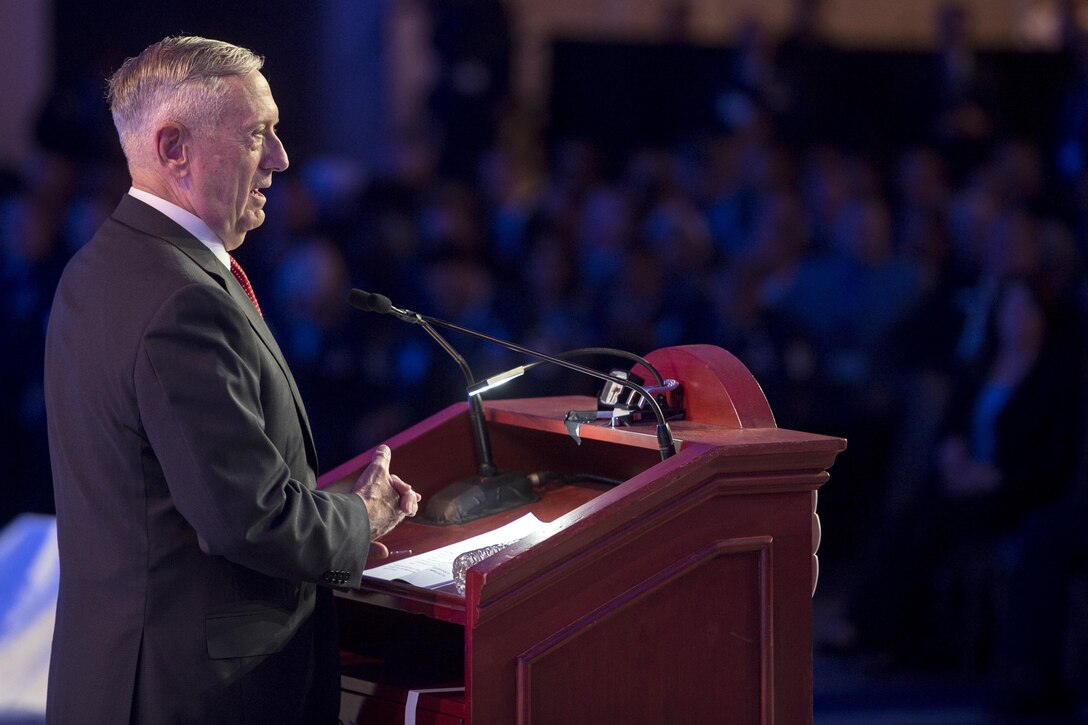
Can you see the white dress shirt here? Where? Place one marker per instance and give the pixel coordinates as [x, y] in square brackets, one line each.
[188, 221]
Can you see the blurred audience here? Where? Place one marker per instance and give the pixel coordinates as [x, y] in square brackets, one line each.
[1009, 447]
[927, 304]
[961, 91]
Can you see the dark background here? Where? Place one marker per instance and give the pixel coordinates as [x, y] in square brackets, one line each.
[664, 195]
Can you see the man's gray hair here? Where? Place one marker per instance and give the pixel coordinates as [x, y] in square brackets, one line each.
[176, 79]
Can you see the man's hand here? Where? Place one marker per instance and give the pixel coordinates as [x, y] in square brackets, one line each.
[388, 499]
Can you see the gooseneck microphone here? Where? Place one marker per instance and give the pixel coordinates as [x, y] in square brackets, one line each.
[373, 302]
[370, 302]
[468, 499]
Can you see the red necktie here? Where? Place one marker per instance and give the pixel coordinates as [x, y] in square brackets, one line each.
[240, 275]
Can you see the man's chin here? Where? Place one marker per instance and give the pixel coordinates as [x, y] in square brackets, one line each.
[251, 221]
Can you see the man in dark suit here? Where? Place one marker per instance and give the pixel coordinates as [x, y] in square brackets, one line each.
[192, 540]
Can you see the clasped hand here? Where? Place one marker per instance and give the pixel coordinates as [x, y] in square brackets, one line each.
[387, 497]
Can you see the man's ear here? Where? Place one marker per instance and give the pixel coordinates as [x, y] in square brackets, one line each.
[172, 147]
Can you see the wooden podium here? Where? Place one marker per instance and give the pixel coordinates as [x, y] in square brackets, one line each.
[681, 596]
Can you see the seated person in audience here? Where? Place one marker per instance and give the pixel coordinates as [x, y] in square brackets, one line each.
[1010, 446]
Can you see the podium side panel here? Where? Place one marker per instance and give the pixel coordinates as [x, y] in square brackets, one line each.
[655, 654]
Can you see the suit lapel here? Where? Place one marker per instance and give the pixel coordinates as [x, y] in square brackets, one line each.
[134, 213]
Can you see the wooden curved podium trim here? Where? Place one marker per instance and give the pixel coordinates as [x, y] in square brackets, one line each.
[718, 389]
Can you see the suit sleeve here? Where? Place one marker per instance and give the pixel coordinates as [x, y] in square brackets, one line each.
[199, 384]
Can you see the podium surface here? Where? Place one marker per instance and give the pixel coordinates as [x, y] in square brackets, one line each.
[681, 595]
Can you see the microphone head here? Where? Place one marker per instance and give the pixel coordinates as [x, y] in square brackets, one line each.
[358, 299]
[379, 303]
[369, 301]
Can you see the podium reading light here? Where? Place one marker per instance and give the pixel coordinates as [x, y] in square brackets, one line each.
[496, 380]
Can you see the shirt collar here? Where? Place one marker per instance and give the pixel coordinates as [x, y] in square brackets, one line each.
[186, 220]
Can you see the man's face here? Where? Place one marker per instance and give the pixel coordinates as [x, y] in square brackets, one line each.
[233, 160]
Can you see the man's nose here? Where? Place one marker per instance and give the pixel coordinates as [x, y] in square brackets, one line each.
[276, 157]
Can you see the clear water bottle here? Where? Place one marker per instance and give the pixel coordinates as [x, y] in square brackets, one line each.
[471, 558]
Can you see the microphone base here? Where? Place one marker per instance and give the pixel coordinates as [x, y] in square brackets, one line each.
[476, 497]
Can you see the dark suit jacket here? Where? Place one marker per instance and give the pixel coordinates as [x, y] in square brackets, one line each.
[191, 537]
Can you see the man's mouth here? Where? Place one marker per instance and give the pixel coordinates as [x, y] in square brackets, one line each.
[256, 192]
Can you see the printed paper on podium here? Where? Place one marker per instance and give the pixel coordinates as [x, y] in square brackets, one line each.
[434, 569]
